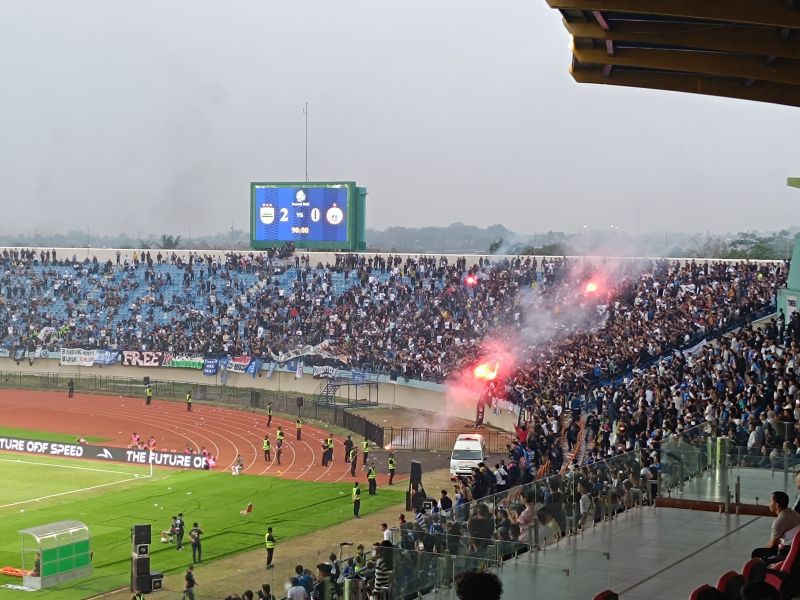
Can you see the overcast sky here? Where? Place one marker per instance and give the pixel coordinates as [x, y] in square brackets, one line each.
[153, 116]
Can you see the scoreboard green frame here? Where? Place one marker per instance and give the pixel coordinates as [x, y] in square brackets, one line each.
[356, 216]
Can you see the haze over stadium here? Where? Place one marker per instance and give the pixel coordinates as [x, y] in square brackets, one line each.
[170, 111]
[316, 419]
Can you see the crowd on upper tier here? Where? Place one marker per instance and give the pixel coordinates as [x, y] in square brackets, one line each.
[745, 386]
[418, 318]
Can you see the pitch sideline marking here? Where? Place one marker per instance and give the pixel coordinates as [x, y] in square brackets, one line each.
[86, 489]
[45, 464]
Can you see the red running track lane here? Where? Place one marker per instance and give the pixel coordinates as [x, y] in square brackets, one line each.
[225, 432]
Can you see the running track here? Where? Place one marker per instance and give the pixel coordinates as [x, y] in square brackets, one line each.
[224, 432]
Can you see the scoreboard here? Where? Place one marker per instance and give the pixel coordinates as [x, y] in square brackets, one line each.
[320, 215]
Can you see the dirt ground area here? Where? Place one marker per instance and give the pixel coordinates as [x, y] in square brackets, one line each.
[405, 417]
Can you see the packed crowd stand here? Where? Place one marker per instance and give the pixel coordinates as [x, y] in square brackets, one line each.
[654, 430]
[622, 350]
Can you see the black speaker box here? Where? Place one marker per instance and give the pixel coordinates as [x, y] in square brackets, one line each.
[140, 565]
[147, 380]
[416, 472]
[144, 583]
[299, 402]
[157, 580]
[141, 534]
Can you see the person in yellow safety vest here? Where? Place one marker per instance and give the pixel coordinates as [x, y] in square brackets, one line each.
[356, 500]
[373, 483]
[392, 468]
[353, 460]
[365, 450]
[298, 424]
[280, 436]
[361, 559]
[270, 543]
[189, 400]
[267, 446]
[329, 445]
[148, 394]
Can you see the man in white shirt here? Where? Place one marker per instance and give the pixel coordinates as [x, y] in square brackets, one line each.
[297, 591]
[387, 533]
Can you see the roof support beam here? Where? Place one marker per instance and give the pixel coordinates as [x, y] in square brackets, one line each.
[728, 38]
[598, 16]
[722, 65]
[773, 13]
[695, 84]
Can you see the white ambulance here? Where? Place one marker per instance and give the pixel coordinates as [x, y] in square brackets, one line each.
[468, 451]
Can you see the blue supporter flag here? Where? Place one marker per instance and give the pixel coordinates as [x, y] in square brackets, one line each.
[211, 366]
[254, 367]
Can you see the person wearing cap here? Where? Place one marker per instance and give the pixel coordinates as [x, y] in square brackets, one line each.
[322, 584]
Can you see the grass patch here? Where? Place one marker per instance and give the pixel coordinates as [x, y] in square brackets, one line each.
[292, 508]
[48, 436]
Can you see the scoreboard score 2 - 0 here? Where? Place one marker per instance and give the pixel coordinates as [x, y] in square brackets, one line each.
[316, 215]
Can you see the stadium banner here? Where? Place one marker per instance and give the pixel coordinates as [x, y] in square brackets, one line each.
[106, 357]
[185, 361]
[139, 358]
[5, 353]
[210, 366]
[158, 458]
[21, 353]
[325, 372]
[272, 366]
[77, 356]
[239, 364]
[254, 367]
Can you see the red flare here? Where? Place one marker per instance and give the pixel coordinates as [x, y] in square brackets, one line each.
[487, 371]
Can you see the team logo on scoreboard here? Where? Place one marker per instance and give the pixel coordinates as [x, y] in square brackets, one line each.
[267, 214]
[334, 215]
[300, 198]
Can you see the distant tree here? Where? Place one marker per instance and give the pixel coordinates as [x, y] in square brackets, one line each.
[169, 242]
[145, 245]
[495, 246]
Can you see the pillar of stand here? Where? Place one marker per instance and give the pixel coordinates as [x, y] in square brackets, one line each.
[788, 297]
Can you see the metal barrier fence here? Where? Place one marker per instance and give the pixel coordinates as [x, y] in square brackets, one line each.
[419, 439]
[397, 438]
[282, 402]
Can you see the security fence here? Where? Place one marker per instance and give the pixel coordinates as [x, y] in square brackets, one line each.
[282, 402]
[420, 439]
[415, 439]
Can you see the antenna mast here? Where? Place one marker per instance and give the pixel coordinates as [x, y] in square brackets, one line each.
[305, 112]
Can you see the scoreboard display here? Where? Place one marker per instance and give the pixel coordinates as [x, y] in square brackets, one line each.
[321, 215]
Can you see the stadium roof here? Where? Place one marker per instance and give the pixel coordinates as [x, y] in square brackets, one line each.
[747, 49]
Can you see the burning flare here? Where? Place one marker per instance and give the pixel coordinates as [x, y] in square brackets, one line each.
[487, 371]
[591, 287]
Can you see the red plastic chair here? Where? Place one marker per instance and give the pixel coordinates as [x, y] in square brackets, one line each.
[606, 595]
[730, 583]
[706, 592]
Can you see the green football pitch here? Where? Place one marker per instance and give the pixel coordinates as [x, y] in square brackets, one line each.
[110, 498]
